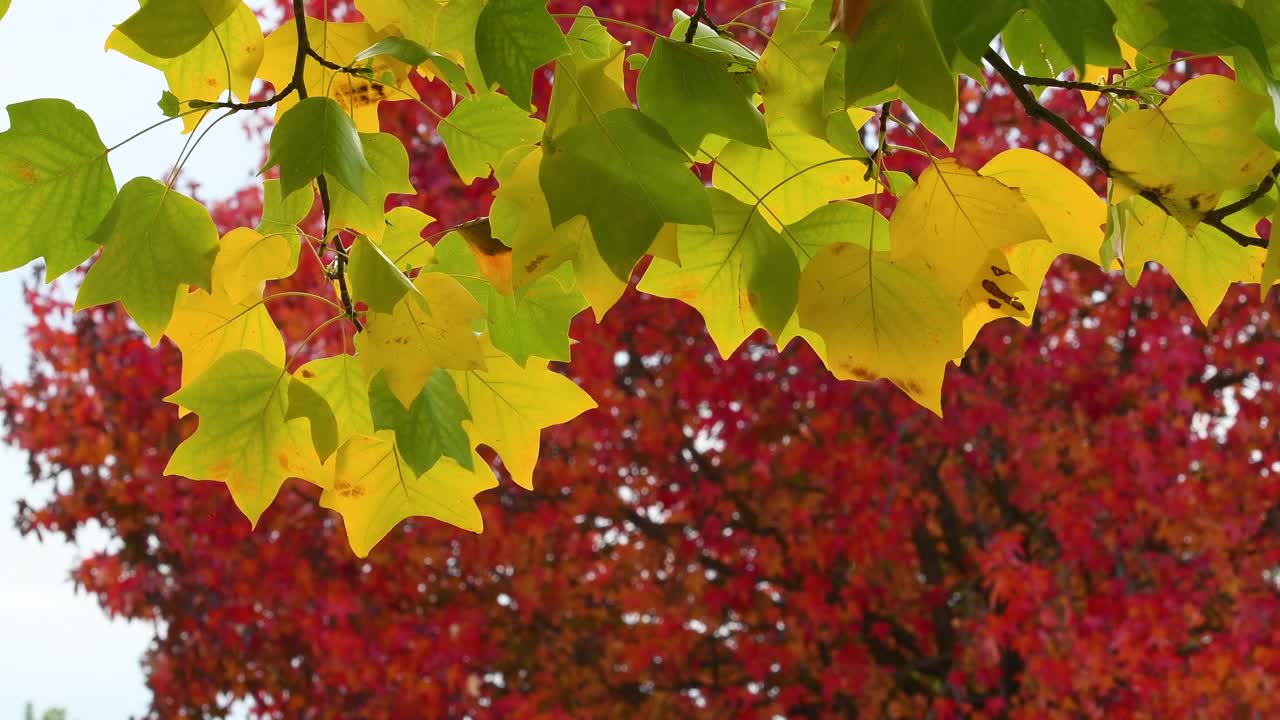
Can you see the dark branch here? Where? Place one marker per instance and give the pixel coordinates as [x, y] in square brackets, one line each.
[322, 184]
[699, 16]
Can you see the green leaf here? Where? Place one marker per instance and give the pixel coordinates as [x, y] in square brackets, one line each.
[1082, 29]
[169, 105]
[627, 177]
[51, 157]
[432, 426]
[740, 276]
[691, 92]
[316, 137]
[169, 28]
[590, 78]
[897, 52]
[965, 28]
[791, 73]
[245, 437]
[388, 174]
[155, 241]
[4, 8]
[481, 130]
[514, 38]
[411, 53]
[1197, 26]
[533, 321]
[306, 403]
[375, 280]
[342, 383]
[281, 213]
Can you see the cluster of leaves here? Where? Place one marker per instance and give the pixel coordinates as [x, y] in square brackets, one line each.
[452, 340]
[730, 538]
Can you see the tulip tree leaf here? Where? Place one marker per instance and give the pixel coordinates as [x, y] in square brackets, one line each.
[317, 138]
[513, 38]
[155, 241]
[431, 428]
[627, 177]
[245, 437]
[51, 157]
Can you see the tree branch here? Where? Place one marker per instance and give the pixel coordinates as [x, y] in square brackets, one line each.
[699, 16]
[1018, 84]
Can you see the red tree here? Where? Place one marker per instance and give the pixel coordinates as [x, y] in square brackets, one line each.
[1091, 532]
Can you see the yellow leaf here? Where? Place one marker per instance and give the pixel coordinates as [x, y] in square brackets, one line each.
[791, 72]
[371, 486]
[996, 293]
[412, 19]
[234, 46]
[410, 343]
[339, 43]
[244, 438]
[343, 384]
[954, 218]
[1203, 262]
[795, 176]
[247, 258]
[1098, 75]
[1072, 214]
[880, 319]
[207, 326]
[1198, 144]
[510, 405]
[402, 240]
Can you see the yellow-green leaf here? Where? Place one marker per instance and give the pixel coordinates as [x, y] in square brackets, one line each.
[244, 438]
[371, 486]
[343, 384]
[740, 276]
[795, 176]
[1203, 262]
[387, 174]
[208, 326]
[227, 58]
[1198, 144]
[510, 405]
[51, 157]
[375, 280]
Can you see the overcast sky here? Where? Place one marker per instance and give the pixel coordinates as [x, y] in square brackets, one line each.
[57, 647]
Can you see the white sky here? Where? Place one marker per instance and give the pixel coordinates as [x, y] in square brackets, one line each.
[56, 646]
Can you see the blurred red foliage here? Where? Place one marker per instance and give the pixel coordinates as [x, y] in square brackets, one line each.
[1093, 530]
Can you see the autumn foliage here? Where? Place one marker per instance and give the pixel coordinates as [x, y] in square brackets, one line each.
[1092, 531]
